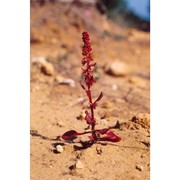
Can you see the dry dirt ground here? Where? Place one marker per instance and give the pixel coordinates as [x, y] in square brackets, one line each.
[55, 108]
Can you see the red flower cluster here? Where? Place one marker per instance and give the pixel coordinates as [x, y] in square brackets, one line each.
[87, 61]
[87, 45]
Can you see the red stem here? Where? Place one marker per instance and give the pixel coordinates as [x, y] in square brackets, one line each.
[87, 50]
[92, 109]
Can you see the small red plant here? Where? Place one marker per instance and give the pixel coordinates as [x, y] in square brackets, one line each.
[88, 65]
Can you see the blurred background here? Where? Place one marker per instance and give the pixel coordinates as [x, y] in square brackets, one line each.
[120, 37]
[56, 26]
[119, 32]
[134, 13]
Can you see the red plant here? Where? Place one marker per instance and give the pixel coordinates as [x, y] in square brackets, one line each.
[87, 72]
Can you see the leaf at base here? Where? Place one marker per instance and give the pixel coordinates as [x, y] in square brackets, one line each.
[110, 137]
[69, 134]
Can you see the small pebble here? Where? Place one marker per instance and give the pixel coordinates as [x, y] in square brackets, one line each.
[47, 68]
[59, 148]
[81, 100]
[40, 60]
[114, 87]
[79, 165]
[69, 82]
[139, 167]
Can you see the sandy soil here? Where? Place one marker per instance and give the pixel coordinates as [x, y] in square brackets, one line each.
[55, 108]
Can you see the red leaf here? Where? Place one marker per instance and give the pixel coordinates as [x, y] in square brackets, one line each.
[82, 85]
[111, 137]
[94, 64]
[70, 134]
[94, 104]
[84, 71]
[99, 98]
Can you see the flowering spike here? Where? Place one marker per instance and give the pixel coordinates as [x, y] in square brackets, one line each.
[86, 60]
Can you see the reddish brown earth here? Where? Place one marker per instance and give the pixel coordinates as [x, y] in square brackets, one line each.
[55, 108]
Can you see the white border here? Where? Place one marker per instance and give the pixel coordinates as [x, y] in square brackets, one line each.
[165, 90]
[14, 94]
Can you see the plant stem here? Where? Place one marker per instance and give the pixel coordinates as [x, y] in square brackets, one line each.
[92, 110]
[93, 132]
[90, 98]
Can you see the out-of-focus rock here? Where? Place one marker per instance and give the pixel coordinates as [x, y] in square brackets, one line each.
[40, 60]
[64, 81]
[117, 68]
[46, 67]
[69, 82]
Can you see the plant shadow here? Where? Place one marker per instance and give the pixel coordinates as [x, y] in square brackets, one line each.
[82, 144]
[36, 134]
